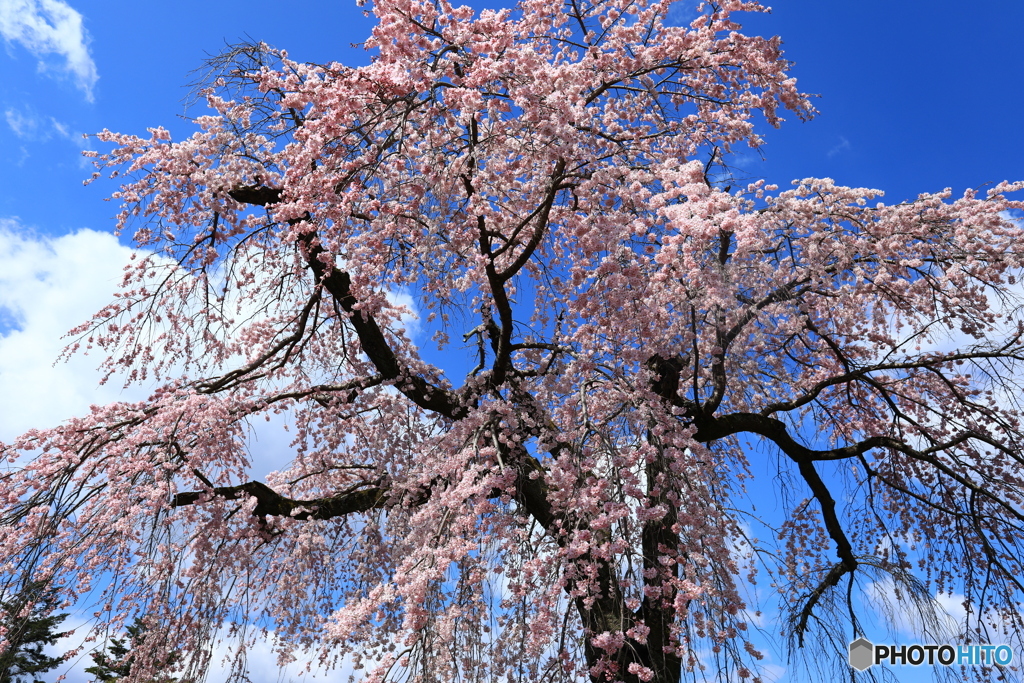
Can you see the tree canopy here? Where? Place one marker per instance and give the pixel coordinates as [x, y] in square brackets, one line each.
[625, 342]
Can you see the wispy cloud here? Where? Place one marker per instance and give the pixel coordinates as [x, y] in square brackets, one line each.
[682, 12]
[23, 123]
[51, 27]
[843, 146]
[31, 127]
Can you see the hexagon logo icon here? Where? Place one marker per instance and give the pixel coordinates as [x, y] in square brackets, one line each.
[862, 654]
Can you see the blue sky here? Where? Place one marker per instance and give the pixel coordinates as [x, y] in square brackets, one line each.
[911, 100]
[914, 97]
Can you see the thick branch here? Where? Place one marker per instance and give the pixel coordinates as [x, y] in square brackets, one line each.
[270, 503]
[371, 337]
[497, 280]
[424, 394]
[721, 427]
[804, 458]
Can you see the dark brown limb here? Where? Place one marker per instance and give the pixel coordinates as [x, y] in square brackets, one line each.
[339, 284]
[270, 503]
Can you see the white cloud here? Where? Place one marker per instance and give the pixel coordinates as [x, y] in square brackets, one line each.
[843, 146]
[261, 660]
[410, 320]
[28, 125]
[23, 123]
[682, 12]
[47, 27]
[47, 286]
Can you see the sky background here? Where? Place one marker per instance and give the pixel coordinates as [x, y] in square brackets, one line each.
[914, 97]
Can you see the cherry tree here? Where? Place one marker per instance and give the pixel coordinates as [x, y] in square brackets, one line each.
[555, 486]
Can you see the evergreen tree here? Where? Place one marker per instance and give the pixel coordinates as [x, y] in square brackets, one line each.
[115, 662]
[24, 659]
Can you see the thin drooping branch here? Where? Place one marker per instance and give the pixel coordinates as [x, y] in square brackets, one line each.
[929, 364]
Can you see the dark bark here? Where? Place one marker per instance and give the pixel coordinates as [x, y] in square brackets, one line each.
[270, 503]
